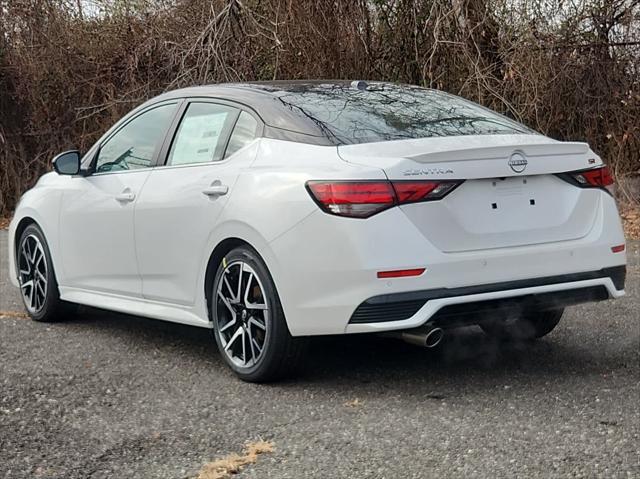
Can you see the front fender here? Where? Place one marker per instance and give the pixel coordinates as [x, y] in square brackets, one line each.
[39, 205]
[11, 252]
[21, 219]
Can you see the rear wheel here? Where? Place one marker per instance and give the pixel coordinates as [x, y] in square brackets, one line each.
[38, 285]
[248, 321]
[531, 325]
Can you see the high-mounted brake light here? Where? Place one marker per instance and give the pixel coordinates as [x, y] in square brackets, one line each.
[594, 178]
[362, 199]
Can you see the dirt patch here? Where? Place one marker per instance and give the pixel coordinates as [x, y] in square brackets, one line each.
[233, 463]
[13, 314]
[4, 223]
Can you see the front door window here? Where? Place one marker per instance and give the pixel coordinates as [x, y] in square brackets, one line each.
[134, 145]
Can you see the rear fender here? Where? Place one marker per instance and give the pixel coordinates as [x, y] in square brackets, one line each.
[243, 232]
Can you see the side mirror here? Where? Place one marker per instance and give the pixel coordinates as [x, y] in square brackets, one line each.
[67, 163]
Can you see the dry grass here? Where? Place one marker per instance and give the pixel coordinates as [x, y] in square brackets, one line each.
[13, 315]
[631, 220]
[353, 403]
[233, 463]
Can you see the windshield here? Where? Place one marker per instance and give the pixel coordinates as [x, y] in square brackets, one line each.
[384, 112]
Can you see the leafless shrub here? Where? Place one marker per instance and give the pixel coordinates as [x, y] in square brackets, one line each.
[69, 69]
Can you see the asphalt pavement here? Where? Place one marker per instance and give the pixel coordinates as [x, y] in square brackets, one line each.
[112, 396]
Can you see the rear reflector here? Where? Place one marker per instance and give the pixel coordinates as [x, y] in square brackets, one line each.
[401, 273]
[617, 249]
[362, 199]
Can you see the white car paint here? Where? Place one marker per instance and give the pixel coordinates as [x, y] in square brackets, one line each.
[139, 241]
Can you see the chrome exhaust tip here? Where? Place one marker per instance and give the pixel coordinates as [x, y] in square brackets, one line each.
[433, 338]
[427, 338]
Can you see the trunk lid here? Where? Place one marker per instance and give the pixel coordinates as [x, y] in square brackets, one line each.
[510, 195]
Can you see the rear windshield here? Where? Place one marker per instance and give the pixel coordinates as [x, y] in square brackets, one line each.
[384, 112]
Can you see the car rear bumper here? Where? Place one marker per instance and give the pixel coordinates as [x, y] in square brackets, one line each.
[449, 307]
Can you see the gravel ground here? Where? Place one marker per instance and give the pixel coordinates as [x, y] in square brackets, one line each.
[108, 395]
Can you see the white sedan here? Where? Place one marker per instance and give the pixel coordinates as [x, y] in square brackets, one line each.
[271, 212]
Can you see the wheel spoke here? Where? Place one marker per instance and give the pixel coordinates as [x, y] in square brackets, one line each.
[248, 304]
[257, 347]
[33, 249]
[239, 294]
[226, 283]
[32, 297]
[27, 250]
[227, 304]
[228, 325]
[26, 284]
[235, 336]
[251, 341]
[41, 276]
[244, 345]
[25, 255]
[40, 287]
[246, 289]
[37, 298]
[254, 320]
[37, 262]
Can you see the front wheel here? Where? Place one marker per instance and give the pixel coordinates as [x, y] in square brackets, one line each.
[38, 285]
[531, 325]
[248, 322]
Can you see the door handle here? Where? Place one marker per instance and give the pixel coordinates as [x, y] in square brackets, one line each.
[126, 196]
[216, 189]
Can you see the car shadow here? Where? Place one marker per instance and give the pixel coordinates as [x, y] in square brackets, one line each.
[362, 358]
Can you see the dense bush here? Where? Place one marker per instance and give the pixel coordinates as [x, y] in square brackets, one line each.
[69, 68]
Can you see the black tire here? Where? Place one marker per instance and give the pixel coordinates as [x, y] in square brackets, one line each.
[531, 325]
[281, 354]
[52, 308]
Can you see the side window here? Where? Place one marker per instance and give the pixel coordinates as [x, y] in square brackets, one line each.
[198, 139]
[243, 133]
[132, 147]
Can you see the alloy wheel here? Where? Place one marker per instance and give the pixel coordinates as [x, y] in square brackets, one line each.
[33, 273]
[242, 314]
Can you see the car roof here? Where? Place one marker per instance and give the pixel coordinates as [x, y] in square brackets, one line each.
[263, 98]
[257, 91]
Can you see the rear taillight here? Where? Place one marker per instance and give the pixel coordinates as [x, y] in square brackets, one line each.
[415, 191]
[362, 199]
[593, 178]
[356, 199]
